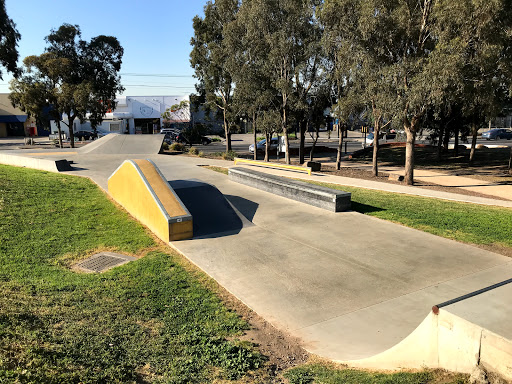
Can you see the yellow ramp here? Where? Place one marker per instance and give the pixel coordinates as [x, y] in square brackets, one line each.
[140, 187]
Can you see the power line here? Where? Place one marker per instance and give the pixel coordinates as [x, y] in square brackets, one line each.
[156, 86]
[152, 75]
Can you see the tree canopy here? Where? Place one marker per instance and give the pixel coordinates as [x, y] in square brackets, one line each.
[9, 38]
[414, 65]
[77, 77]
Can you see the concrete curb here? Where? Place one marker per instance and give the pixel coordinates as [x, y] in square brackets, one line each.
[36, 163]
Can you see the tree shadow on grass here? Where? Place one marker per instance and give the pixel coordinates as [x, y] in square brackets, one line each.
[365, 208]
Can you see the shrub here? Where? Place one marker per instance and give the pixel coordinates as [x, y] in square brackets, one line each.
[200, 154]
[177, 147]
[165, 146]
[217, 139]
[230, 155]
[193, 151]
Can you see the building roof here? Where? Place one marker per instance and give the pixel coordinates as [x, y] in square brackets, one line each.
[6, 108]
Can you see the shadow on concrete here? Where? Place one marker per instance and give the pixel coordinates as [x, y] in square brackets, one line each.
[212, 214]
[245, 207]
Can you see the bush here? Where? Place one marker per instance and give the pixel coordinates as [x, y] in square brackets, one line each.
[165, 146]
[200, 154]
[230, 155]
[177, 147]
[193, 151]
[217, 139]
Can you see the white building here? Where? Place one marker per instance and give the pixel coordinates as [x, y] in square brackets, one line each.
[133, 114]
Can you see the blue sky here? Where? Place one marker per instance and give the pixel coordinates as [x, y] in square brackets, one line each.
[155, 35]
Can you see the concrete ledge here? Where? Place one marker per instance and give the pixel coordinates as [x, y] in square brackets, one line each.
[36, 163]
[140, 187]
[322, 197]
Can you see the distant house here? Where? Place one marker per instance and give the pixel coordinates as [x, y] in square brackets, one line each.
[13, 121]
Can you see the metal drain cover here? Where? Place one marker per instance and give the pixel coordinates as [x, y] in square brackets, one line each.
[103, 261]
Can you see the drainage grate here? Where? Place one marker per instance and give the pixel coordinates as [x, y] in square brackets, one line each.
[103, 261]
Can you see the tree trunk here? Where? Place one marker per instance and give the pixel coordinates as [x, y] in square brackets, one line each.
[267, 145]
[409, 155]
[302, 145]
[456, 145]
[60, 132]
[510, 162]
[71, 121]
[376, 132]
[286, 141]
[474, 131]
[340, 148]
[254, 135]
[440, 143]
[317, 134]
[446, 139]
[226, 131]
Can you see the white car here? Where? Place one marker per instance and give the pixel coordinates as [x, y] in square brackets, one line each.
[260, 145]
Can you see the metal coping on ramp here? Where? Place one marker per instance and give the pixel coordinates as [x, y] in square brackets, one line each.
[436, 307]
[140, 187]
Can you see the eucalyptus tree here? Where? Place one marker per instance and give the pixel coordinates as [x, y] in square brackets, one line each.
[89, 87]
[210, 55]
[39, 86]
[79, 78]
[9, 37]
[362, 75]
[475, 46]
[285, 31]
[254, 90]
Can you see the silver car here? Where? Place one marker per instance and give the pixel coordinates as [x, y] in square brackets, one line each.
[260, 145]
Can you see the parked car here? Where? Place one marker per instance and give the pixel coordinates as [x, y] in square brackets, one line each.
[497, 134]
[86, 135]
[260, 145]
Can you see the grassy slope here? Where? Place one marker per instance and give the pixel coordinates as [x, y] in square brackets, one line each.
[147, 321]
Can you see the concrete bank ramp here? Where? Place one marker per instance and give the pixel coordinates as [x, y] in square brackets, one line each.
[117, 144]
[141, 189]
[459, 336]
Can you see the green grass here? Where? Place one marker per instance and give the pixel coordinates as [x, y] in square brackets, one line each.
[319, 373]
[147, 321]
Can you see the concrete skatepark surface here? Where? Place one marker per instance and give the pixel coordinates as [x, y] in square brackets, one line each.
[350, 286]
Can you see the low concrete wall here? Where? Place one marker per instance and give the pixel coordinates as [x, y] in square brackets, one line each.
[449, 342]
[139, 186]
[36, 163]
[326, 198]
